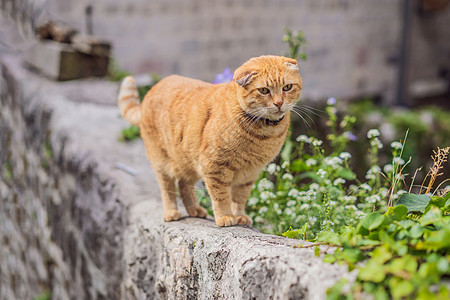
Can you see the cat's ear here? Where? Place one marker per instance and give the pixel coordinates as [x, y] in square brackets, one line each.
[292, 64]
[243, 77]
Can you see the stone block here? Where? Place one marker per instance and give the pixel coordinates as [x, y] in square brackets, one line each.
[60, 61]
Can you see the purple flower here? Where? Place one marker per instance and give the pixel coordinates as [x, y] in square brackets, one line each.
[331, 101]
[350, 136]
[224, 77]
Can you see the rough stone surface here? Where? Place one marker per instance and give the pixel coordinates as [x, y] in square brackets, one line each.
[73, 222]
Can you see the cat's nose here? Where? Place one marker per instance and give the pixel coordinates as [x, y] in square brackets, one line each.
[278, 104]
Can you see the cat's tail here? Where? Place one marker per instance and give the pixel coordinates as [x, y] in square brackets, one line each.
[128, 101]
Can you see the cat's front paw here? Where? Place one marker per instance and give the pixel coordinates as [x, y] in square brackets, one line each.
[244, 220]
[227, 220]
[171, 215]
[197, 211]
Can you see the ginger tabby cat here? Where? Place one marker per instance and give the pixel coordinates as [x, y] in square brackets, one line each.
[224, 134]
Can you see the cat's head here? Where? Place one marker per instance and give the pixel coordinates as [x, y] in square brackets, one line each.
[269, 86]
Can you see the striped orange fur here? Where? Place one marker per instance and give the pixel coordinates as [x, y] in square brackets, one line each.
[222, 133]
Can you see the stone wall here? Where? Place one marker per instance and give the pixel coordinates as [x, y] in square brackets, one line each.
[81, 217]
[61, 222]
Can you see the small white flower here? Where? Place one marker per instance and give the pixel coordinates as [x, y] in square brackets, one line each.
[304, 206]
[376, 143]
[396, 145]
[264, 185]
[339, 181]
[312, 220]
[365, 186]
[398, 161]
[375, 170]
[333, 162]
[303, 138]
[267, 195]
[373, 133]
[262, 210]
[372, 172]
[383, 192]
[317, 143]
[285, 165]
[293, 193]
[359, 214]
[388, 168]
[352, 207]
[252, 201]
[322, 173]
[291, 203]
[271, 168]
[373, 199]
[259, 219]
[276, 206]
[314, 186]
[311, 162]
[288, 211]
[349, 198]
[345, 155]
[332, 203]
[288, 177]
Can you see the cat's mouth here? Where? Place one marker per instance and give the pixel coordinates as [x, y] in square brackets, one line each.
[268, 119]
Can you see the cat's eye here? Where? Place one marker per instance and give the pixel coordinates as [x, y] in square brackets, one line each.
[287, 87]
[264, 90]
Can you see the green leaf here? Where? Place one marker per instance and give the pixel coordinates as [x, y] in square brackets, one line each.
[414, 202]
[372, 271]
[416, 231]
[351, 255]
[447, 202]
[317, 251]
[447, 197]
[299, 166]
[442, 265]
[330, 238]
[432, 216]
[400, 212]
[346, 174]
[438, 201]
[372, 221]
[328, 258]
[436, 240]
[291, 233]
[400, 288]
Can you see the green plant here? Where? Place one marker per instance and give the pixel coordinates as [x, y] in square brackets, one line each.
[44, 296]
[296, 41]
[314, 187]
[130, 133]
[403, 253]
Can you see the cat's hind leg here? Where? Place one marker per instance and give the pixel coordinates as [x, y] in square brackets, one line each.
[190, 201]
[169, 197]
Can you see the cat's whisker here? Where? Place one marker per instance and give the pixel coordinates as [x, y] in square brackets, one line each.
[312, 110]
[304, 120]
[299, 111]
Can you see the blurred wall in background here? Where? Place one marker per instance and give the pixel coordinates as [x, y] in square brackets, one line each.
[354, 46]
